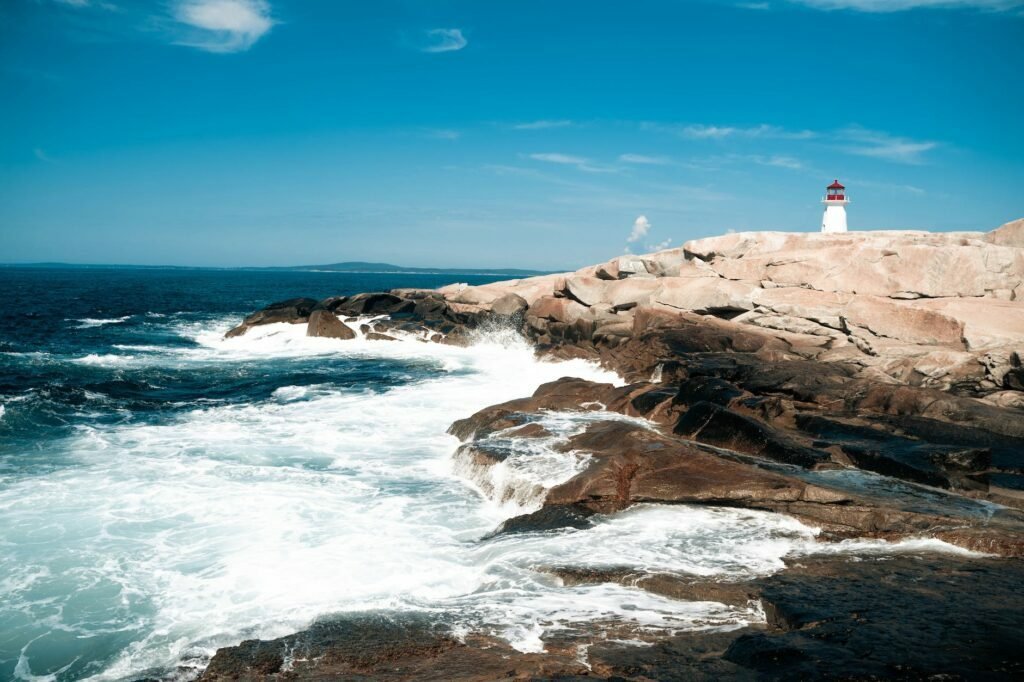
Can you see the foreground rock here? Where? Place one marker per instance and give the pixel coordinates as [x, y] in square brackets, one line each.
[892, 617]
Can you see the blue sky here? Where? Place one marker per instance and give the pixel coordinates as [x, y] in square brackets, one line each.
[497, 133]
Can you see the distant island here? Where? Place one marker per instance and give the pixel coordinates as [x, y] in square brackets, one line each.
[347, 266]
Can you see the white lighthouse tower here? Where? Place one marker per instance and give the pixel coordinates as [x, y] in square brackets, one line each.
[835, 208]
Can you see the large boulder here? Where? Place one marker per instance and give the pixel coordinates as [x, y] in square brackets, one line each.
[509, 305]
[1010, 234]
[294, 311]
[324, 323]
[563, 310]
[706, 295]
[587, 290]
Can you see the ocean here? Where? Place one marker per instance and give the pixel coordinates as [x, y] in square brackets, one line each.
[165, 492]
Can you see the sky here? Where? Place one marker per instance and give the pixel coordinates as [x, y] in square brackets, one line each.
[498, 133]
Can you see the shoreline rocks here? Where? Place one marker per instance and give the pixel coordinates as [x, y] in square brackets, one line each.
[868, 384]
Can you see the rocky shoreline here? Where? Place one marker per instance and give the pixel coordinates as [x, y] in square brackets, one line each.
[868, 384]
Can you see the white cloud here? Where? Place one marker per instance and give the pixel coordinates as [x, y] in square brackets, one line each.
[223, 25]
[644, 160]
[641, 226]
[901, 5]
[880, 145]
[721, 132]
[779, 161]
[42, 155]
[542, 125]
[660, 246]
[559, 158]
[754, 5]
[73, 3]
[445, 40]
[444, 134]
[580, 162]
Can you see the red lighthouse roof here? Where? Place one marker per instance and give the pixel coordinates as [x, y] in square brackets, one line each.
[835, 185]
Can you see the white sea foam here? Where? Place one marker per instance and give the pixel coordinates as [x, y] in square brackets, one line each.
[251, 520]
[89, 322]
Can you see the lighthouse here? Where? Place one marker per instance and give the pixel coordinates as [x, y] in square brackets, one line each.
[835, 202]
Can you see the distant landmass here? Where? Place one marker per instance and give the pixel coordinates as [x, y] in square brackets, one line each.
[348, 266]
[360, 266]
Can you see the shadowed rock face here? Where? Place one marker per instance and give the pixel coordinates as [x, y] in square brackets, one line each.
[295, 311]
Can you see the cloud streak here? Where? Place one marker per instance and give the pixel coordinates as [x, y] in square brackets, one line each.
[697, 131]
[890, 6]
[542, 125]
[222, 25]
[445, 40]
[879, 145]
[580, 162]
[644, 160]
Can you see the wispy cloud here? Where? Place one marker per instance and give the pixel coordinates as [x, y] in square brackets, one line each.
[580, 162]
[644, 160]
[42, 155]
[445, 40]
[902, 5]
[222, 25]
[559, 158]
[721, 132]
[880, 145]
[109, 6]
[754, 5]
[777, 161]
[542, 125]
[888, 187]
[641, 226]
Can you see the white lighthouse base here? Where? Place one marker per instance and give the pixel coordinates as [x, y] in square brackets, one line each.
[835, 217]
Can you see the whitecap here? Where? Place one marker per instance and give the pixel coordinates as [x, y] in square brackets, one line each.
[105, 360]
[89, 322]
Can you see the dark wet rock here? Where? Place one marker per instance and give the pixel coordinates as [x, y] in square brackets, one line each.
[1007, 451]
[945, 466]
[646, 402]
[374, 304]
[294, 311]
[910, 617]
[326, 324]
[716, 425]
[705, 389]
[377, 336]
[547, 518]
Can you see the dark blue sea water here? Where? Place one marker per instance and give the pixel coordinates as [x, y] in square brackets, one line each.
[165, 491]
[69, 338]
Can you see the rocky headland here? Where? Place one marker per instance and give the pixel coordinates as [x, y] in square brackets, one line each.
[870, 384]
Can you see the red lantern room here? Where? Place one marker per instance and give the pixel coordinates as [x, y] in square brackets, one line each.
[836, 192]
